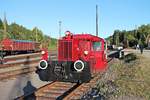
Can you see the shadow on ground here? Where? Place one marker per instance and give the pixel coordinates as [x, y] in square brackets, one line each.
[22, 84]
[28, 89]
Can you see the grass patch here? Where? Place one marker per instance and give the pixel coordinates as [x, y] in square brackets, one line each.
[134, 78]
[129, 77]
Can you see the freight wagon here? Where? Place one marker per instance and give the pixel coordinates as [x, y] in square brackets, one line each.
[12, 46]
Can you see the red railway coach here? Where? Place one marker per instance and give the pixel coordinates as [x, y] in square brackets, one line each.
[79, 56]
[11, 46]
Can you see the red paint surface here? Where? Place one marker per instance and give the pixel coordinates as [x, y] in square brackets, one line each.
[18, 45]
[72, 47]
[45, 55]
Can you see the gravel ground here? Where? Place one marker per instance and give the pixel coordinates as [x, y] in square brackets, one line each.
[10, 89]
[108, 89]
[24, 84]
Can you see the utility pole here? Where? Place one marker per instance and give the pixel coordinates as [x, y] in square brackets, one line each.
[96, 20]
[60, 29]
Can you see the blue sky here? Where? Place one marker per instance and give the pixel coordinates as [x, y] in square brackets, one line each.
[77, 15]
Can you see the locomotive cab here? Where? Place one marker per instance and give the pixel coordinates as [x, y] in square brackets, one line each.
[98, 56]
[79, 56]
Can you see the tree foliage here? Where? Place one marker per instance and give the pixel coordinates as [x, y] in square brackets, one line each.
[131, 38]
[1, 24]
[19, 32]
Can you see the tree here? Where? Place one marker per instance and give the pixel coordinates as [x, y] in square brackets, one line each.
[1, 24]
[116, 37]
[16, 31]
[5, 24]
[37, 35]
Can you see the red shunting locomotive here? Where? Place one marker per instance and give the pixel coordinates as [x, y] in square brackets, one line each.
[79, 56]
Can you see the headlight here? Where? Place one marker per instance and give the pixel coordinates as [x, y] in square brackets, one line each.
[43, 64]
[78, 65]
[86, 52]
[42, 52]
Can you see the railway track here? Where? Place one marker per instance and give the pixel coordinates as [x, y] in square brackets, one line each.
[51, 91]
[54, 90]
[83, 89]
[12, 61]
[20, 65]
[64, 90]
[15, 73]
[61, 90]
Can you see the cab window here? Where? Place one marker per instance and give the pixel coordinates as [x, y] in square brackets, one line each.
[105, 45]
[96, 46]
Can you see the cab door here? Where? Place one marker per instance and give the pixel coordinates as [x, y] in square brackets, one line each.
[97, 56]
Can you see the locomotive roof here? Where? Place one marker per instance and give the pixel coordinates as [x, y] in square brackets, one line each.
[86, 37]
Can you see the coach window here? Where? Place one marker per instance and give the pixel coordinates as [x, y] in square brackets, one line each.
[96, 46]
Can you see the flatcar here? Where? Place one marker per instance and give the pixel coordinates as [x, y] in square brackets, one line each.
[12, 46]
[79, 57]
